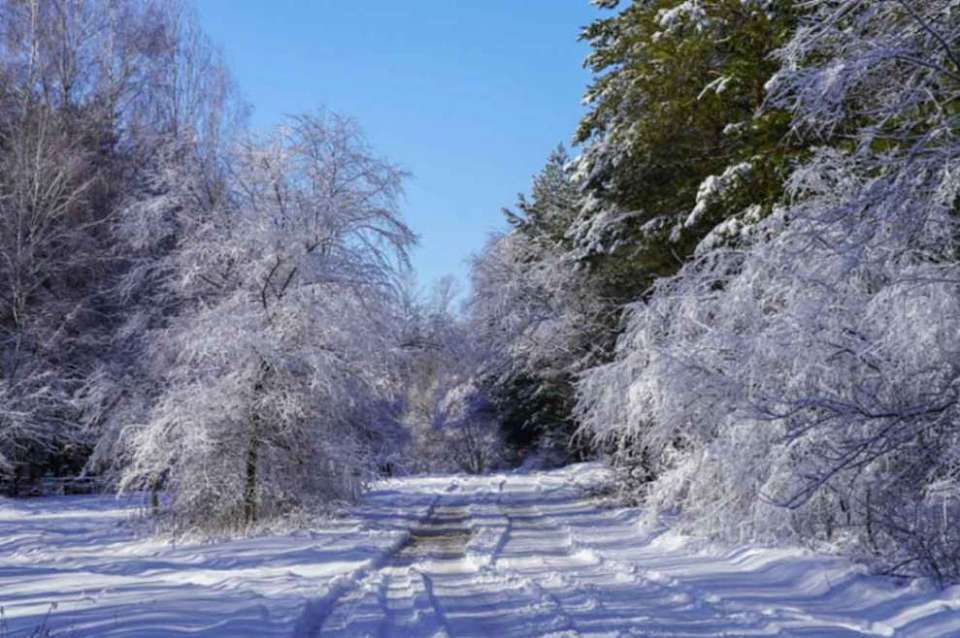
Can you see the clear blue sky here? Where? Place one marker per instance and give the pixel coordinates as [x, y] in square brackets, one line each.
[469, 96]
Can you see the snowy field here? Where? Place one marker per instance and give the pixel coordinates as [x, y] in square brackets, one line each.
[503, 555]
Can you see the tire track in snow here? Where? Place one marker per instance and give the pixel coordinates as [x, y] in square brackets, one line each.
[438, 534]
[574, 563]
[563, 623]
[505, 535]
[553, 563]
[461, 599]
[317, 611]
[519, 605]
[435, 603]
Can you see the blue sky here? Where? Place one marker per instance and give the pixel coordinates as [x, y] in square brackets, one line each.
[469, 96]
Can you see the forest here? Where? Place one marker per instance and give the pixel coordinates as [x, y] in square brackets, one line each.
[739, 288]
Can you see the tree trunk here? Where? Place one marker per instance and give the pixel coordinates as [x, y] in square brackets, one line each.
[250, 481]
[15, 486]
[154, 501]
[253, 453]
[155, 495]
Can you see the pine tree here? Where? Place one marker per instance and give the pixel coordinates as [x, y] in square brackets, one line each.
[677, 101]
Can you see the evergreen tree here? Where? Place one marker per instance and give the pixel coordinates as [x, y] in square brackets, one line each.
[677, 148]
[676, 139]
[539, 318]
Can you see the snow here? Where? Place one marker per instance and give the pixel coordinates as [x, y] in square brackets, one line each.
[508, 554]
[718, 86]
[690, 10]
[714, 188]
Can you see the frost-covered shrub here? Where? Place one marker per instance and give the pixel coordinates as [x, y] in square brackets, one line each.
[458, 431]
[470, 431]
[802, 383]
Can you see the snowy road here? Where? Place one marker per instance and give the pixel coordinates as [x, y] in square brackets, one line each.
[505, 555]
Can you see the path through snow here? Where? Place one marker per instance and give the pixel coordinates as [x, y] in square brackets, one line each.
[504, 555]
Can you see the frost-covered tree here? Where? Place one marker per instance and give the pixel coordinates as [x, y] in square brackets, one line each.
[675, 145]
[802, 382]
[466, 425]
[273, 370]
[452, 425]
[180, 116]
[75, 77]
[48, 243]
[536, 315]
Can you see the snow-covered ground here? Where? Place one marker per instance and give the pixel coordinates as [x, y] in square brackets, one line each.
[503, 555]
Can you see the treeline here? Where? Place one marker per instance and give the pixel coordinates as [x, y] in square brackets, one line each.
[93, 95]
[744, 289]
[222, 319]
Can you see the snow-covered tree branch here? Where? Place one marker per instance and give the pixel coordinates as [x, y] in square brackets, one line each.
[804, 380]
[273, 368]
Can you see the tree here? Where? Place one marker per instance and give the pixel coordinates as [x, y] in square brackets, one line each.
[804, 379]
[82, 112]
[48, 240]
[536, 316]
[272, 372]
[676, 149]
[676, 102]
